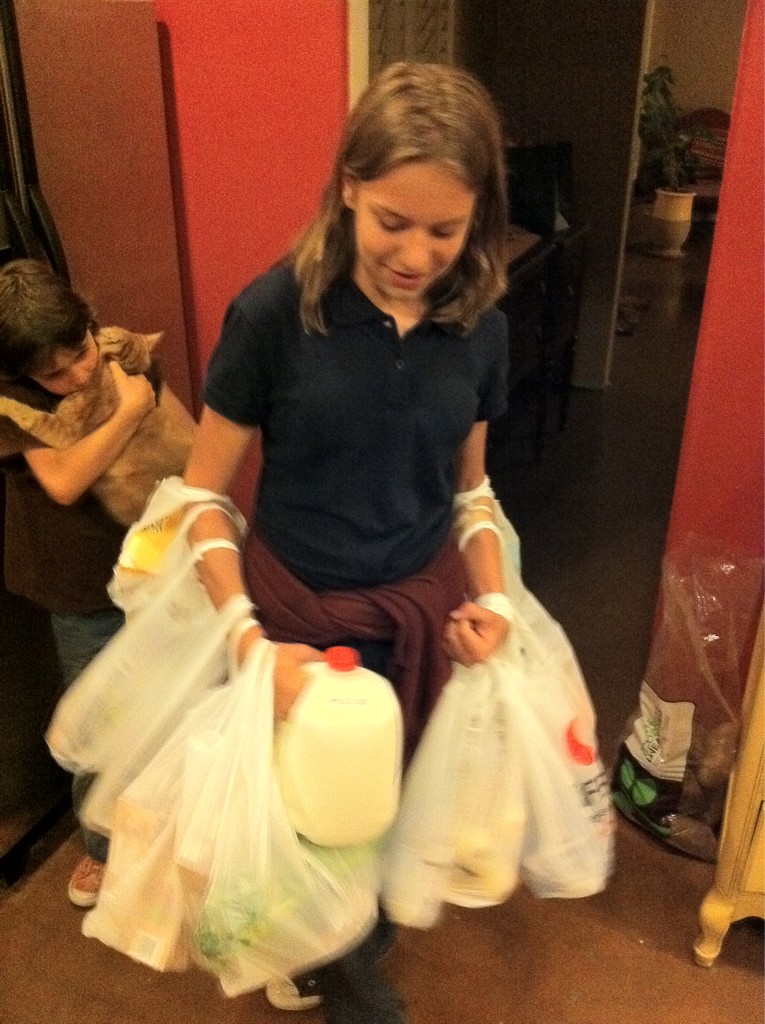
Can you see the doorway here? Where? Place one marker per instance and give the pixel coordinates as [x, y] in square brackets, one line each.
[599, 50]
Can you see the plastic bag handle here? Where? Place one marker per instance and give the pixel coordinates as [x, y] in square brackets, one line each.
[172, 494]
[238, 630]
[200, 549]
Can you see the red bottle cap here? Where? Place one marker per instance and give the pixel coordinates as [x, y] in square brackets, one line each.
[342, 659]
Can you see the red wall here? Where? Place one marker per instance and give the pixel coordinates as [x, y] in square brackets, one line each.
[256, 94]
[719, 486]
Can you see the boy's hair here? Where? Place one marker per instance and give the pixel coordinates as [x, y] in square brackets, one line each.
[39, 316]
[416, 111]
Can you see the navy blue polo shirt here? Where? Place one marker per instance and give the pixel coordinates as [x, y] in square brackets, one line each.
[359, 427]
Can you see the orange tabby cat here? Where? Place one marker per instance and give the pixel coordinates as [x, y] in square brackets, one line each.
[159, 448]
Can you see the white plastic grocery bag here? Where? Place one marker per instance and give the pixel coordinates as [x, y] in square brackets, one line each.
[568, 843]
[457, 837]
[127, 701]
[273, 904]
[523, 726]
[150, 551]
[142, 908]
[569, 846]
[203, 865]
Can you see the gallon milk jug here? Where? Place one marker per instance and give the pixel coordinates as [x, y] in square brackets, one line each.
[338, 753]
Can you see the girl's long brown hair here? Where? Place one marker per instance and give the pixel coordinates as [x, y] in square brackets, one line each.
[416, 111]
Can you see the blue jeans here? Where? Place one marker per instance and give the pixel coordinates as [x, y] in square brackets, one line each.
[78, 639]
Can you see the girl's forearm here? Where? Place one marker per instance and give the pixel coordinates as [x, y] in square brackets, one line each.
[220, 569]
[483, 563]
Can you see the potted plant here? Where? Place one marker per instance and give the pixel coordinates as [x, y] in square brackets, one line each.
[667, 163]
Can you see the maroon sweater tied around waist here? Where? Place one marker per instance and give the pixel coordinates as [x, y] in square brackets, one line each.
[410, 614]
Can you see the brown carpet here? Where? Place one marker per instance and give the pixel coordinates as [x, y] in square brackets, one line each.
[623, 957]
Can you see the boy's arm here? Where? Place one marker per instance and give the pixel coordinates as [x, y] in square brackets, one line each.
[66, 474]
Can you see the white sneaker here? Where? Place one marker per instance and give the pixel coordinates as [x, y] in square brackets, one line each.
[300, 994]
[85, 882]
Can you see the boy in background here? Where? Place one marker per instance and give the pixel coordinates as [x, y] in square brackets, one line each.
[60, 545]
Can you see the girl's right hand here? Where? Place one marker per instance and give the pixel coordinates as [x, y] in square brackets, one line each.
[289, 676]
[134, 392]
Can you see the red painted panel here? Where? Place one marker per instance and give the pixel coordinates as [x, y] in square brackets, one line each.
[256, 94]
[98, 125]
[719, 487]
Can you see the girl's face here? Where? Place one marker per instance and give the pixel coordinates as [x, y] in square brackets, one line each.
[410, 227]
[70, 369]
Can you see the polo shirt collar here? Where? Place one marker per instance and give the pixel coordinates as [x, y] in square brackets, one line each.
[345, 305]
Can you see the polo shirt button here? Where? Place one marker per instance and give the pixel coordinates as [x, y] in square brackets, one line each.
[387, 323]
[400, 364]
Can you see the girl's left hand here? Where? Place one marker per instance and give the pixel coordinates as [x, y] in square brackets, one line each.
[472, 634]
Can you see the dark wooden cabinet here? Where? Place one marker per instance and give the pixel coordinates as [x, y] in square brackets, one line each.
[542, 308]
[561, 316]
[32, 786]
[524, 304]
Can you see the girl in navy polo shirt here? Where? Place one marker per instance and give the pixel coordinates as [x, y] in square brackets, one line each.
[368, 363]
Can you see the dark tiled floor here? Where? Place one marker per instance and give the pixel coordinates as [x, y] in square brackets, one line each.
[592, 516]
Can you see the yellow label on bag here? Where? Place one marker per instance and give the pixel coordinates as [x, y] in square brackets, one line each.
[144, 549]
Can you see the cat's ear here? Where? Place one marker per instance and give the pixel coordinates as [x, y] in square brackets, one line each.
[132, 351]
[152, 340]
